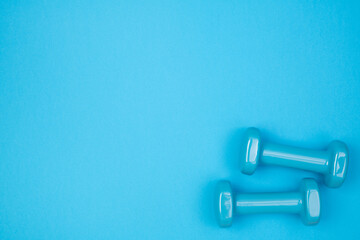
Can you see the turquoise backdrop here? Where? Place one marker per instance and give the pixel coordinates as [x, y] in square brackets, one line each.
[118, 117]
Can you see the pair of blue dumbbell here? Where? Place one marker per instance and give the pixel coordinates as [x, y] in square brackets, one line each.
[331, 163]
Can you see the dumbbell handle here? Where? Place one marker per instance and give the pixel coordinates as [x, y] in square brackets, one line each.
[289, 202]
[306, 159]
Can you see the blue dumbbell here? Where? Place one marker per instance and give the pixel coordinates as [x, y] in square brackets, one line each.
[305, 202]
[332, 163]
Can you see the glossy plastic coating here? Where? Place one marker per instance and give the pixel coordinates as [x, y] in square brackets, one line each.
[332, 163]
[268, 203]
[305, 202]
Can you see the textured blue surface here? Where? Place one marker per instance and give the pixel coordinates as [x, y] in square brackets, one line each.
[117, 118]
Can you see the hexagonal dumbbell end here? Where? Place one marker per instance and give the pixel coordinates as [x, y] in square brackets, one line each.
[309, 190]
[250, 151]
[306, 203]
[332, 163]
[223, 203]
[338, 164]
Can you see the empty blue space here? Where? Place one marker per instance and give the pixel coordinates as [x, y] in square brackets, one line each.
[118, 117]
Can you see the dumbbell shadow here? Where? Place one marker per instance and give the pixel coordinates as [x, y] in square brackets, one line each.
[232, 150]
[207, 214]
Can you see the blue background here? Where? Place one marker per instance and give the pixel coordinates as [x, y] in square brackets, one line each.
[117, 118]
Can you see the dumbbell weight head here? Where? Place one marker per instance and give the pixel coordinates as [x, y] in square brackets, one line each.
[250, 150]
[338, 164]
[311, 198]
[224, 204]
